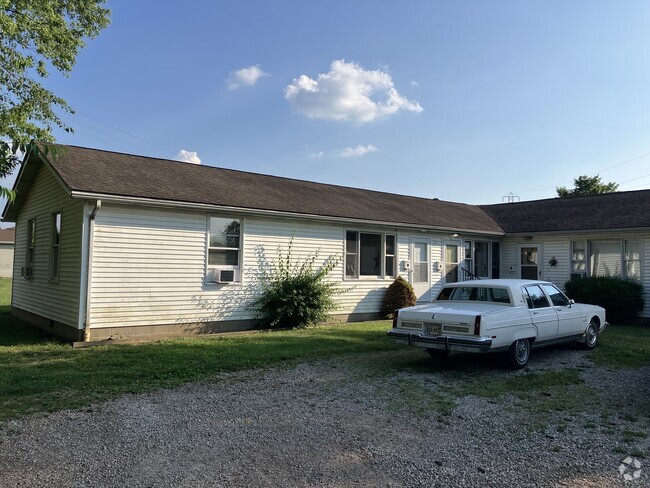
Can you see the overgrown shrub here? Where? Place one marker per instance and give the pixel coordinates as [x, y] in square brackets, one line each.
[621, 299]
[295, 294]
[400, 294]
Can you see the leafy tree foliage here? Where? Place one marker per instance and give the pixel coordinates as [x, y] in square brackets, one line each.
[35, 37]
[586, 185]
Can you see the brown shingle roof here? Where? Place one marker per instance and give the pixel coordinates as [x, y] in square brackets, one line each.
[104, 172]
[620, 210]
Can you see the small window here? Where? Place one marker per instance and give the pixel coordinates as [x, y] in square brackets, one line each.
[368, 254]
[578, 256]
[55, 254]
[224, 244]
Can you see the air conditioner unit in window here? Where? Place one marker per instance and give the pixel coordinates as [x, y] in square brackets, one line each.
[27, 271]
[226, 275]
[577, 276]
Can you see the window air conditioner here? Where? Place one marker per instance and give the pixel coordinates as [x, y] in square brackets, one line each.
[577, 276]
[226, 275]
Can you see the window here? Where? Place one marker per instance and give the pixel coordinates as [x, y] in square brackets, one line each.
[620, 258]
[224, 245]
[369, 254]
[55, 253]
[578, 256]
[31, 245]
[558, 298]
[535, 297]
[475, 294]
[632, 259]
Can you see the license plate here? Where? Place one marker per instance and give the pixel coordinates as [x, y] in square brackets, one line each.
[433, 329]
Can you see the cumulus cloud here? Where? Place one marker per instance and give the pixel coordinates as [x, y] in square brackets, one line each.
[348, 92]
[188, 157]
[316, 154]
[355, 152]
[247, 76]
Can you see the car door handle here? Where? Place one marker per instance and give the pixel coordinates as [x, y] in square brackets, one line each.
[535, 313]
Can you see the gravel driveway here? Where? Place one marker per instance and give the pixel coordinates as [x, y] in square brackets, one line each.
[370, 420]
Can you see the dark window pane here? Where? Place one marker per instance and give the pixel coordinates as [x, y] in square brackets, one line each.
[390, 245]
[390, 265]
[351, 270]
[218, 257]
[537, 296]
[370, 259]
[55, 262]
[351, 242]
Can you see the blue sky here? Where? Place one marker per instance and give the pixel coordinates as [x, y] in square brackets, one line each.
[459, 100]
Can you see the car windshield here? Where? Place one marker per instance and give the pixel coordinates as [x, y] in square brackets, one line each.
[475, 294]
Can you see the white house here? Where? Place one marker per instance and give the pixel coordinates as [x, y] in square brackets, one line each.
[124, 246]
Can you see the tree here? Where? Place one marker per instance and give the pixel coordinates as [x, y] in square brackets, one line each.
[585, 185]
[36, 36]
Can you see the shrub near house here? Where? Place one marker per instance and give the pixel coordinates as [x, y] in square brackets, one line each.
[622, 299]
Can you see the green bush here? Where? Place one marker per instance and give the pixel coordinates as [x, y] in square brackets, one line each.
[295, 294]
[622, 300]
[400, 294]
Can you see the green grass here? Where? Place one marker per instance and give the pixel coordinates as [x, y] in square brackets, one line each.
[623, 347]
[41, 374]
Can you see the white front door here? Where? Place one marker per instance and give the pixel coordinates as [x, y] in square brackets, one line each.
[421, 272]
[529, 256]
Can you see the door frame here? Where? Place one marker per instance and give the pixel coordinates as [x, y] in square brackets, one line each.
[540, 267]
[426, 296]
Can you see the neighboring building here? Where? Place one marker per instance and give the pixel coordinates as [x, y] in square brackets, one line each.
[118, 245]
[7, 238]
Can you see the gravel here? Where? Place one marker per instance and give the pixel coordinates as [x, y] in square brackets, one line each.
[350, 421]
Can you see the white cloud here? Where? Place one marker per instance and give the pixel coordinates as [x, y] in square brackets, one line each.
[188, 156]
[355, 152]
[348, 92]
[247, 76]
[414, 83]
[316, 154]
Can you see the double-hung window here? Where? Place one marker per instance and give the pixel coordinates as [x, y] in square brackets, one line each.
[369, 254]
[224, 248]
[55, 252]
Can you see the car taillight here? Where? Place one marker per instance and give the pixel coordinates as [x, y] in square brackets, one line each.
[477, 325]
[395, 314]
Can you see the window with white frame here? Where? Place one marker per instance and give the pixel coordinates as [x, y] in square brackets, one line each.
[224, 248]
[369, 254]
[620, 258]
[55, 251]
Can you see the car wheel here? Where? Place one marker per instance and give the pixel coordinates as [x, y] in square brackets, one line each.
[591, 336]
[438, 353]
[519, 353]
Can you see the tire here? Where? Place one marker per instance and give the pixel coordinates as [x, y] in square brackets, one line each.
[591, 334]
[519, 353]
[438, 353]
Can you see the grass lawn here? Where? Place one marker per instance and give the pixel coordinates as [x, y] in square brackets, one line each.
[41, 374]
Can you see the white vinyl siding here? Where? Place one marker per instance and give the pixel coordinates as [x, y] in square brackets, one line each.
[149, 267]
[57, 301]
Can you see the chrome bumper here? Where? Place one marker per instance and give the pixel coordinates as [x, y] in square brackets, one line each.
[448, 343]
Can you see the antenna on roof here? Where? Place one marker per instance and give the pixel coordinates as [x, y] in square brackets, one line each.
[510, 197]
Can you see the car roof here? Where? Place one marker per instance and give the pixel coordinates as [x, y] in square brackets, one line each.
[505, 283]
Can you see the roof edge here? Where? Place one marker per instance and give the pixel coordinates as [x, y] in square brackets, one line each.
[121, 199]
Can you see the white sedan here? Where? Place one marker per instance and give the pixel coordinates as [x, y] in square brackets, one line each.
[498, 315]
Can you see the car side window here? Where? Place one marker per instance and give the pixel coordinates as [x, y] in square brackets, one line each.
[536, 297]
[557, 297]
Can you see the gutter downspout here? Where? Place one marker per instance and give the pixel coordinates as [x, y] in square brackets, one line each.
[91, 232]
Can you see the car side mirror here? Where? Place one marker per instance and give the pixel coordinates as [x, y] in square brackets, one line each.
[571, 302]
